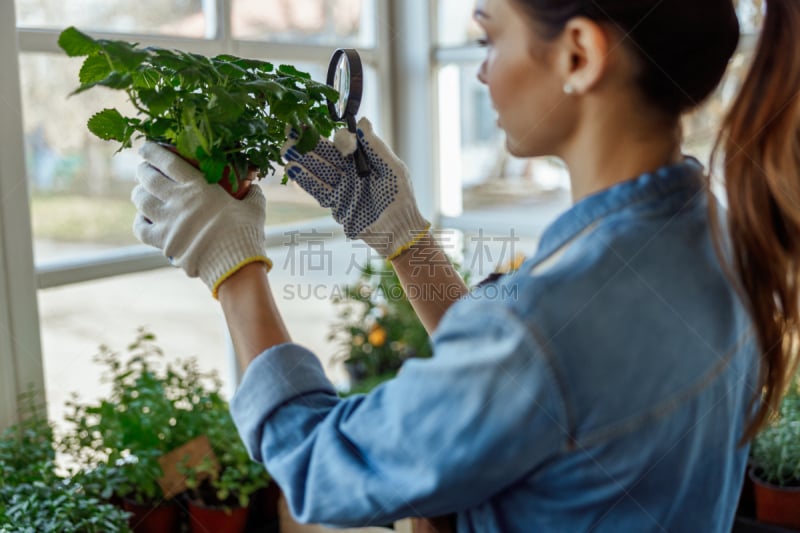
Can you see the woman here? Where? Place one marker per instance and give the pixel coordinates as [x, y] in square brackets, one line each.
[616, 386]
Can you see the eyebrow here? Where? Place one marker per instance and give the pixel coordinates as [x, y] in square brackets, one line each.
[480, 14]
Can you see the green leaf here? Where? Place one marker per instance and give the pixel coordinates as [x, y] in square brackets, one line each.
[95, 68]
[284, 107]
[248, 64]
[109, 125]
[188, 142]
[124, 56]
[117, 81]
[158, 101]
[191, 78]
[76, 43]
[265, 86]
[167, 59]
[213, 167]
[308, 139]
[146, 77]
[223, 107]
[230, 70]
[292, 71]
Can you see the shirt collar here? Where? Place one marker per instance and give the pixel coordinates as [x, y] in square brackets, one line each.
[680, 182]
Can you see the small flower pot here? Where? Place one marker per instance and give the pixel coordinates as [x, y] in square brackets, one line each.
[225, 182]
[164, 518]
[217, 519]
[776, 505]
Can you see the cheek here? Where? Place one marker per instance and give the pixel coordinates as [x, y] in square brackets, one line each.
[501, 83]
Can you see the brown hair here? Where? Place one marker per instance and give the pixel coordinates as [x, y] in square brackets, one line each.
[760, 146]
[684, 47]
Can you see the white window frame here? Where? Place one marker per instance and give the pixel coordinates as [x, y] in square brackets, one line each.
[405, 105]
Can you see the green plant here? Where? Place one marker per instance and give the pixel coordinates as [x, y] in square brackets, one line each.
[154, 408]
[27, 452]
[142, 419]
[776, 449]
[225, 112]
[239, 477]
[57, 505]
[33, 496]
[377, 328]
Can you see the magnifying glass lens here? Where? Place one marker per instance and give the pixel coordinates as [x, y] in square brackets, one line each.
[341, 82]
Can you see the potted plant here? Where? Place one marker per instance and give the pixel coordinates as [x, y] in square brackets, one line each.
[227, 115]
[126, 433]
[222, 490]
[775, 457]
[377, 328]
[33, 496]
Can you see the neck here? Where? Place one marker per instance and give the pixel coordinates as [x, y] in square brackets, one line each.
[600, 157]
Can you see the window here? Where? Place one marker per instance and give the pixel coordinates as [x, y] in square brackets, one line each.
[97, 285]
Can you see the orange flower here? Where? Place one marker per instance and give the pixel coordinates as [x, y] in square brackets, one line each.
[513, 264]
[377, 336]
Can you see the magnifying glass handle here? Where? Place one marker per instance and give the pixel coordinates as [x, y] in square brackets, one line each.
[362, 164]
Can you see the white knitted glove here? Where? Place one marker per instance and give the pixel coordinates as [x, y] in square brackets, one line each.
[379, 209]
[199, 226]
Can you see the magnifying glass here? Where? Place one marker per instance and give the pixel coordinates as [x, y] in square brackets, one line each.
[346, 75]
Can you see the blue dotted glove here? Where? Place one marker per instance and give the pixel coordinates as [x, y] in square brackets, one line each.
[380, 208]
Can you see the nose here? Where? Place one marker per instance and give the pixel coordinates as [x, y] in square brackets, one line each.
[482, 73]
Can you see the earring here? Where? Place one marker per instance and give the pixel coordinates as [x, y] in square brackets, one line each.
[569, 88]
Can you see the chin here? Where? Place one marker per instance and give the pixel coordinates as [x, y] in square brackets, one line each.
[519, 150]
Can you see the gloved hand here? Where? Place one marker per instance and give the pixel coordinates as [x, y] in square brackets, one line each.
[379, 209]
[199, 226]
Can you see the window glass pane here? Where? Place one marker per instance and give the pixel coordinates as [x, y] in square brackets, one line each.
[75, 320]
[455, 23]
[307, 21]
[175, 17]
[80, 190]
[311, 268]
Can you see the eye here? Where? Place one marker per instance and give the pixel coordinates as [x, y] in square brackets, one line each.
[482, 42]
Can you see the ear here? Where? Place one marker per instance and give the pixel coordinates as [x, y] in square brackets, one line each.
[584, 54]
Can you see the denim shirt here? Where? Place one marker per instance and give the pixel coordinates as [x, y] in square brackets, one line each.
[603, 386]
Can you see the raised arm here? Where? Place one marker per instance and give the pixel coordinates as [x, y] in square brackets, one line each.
[429, 279]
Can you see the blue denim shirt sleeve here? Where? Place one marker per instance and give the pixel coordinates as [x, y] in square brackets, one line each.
[446, 434]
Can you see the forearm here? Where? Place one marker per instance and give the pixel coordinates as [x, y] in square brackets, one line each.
[430, 281]
[253, 319]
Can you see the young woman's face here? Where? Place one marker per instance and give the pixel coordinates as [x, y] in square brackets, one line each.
[527, 95]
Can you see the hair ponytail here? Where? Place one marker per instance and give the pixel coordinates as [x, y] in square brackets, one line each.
[760, 144]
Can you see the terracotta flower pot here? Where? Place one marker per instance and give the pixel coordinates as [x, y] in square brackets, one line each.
[225, 182]
[203, 519]
[776, 505]
[164, 518]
